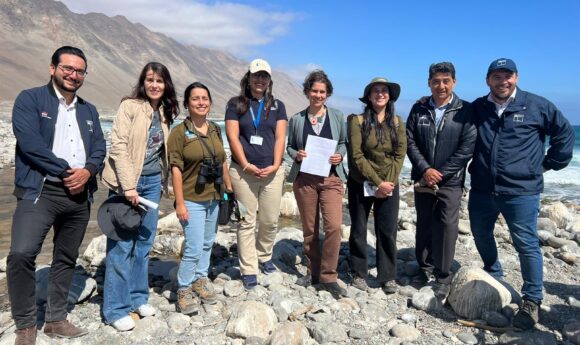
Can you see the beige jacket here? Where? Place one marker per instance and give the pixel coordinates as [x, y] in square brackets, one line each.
[129, 137]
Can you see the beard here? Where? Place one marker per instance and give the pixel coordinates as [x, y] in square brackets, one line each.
[60, 83]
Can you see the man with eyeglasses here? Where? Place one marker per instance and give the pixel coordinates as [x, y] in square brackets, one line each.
[59, 149]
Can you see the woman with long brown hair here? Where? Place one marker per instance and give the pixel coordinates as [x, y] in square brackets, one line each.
[377, 148]
[137, 168]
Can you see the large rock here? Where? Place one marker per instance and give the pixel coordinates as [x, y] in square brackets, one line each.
[289, 333]
[425, 300]
[170, 244]
[3, 264]
[559, 214]
[251, 319]
[96, 251]
[169, 223]
[288, 205]
[82, 286]
[474, 291]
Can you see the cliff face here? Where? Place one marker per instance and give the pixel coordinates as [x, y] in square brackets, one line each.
[116, 49]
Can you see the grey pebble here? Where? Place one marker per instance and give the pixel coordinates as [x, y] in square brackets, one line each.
[467, 338]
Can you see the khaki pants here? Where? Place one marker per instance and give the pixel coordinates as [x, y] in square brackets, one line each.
[255, 243]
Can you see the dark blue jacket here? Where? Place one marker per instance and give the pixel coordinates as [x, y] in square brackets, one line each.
[509, 153]
[33, 121]
[447, 148]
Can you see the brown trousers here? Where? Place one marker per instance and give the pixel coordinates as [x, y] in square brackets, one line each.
[314, 192]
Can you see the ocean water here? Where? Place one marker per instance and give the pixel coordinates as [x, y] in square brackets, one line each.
[561, 185]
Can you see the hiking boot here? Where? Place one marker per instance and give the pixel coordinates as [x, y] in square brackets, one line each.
[250, 281]
[186, 302]
[63, 329]
[307, 280]
[360, 283]
[527, 316]
[335, 290]
[204, 290]
[390, 287]
[26, 336]
[267, 267]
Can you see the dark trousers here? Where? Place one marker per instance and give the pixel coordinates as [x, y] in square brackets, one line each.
[386, 214]
[68, 215]
[314, 193]
[437, 229]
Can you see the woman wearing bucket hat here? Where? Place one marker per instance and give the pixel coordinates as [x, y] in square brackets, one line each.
[256, 129]
[315, 194]
[137, 168]
[199, 171]
[377, 147]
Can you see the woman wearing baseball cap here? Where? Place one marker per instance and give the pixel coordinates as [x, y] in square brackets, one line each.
[256, 129]
[376, 151]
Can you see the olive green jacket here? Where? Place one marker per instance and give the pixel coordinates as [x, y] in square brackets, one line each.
[369, 162]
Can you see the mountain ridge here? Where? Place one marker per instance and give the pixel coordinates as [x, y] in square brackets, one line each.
[116, 49]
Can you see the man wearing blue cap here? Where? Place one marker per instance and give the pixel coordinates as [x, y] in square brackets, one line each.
[507, 175]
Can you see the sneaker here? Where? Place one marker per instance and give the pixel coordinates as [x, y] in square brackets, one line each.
[390, 287]
[146, 310]
[335, 290]
[267, 267]
[186, 302]
[250, 281]
[124, 324]
[527, 316]
[360, 283]
[204, 290]
[26, 336]
[63, 329]
[307, 280]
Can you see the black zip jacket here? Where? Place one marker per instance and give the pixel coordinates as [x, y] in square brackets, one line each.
[446, 148]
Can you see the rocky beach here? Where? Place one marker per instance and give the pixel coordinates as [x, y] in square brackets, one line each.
[278, 311]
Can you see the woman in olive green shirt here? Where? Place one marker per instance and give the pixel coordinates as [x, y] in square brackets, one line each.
[199, 169]
[377, 147]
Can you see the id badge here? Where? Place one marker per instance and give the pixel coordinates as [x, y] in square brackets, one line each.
[256, 140]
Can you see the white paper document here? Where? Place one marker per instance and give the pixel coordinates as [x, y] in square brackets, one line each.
[369, 188]
[318, 152]
[148, 203]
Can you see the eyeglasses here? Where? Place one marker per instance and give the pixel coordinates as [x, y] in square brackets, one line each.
[68, 70]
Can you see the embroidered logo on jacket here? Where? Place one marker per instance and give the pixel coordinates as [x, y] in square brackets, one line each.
[90, 124]
[45, 115]
[519, 118]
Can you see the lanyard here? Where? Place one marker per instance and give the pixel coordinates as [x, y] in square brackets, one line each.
[257, 120]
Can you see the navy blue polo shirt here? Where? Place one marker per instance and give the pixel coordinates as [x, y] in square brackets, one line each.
[260, 155]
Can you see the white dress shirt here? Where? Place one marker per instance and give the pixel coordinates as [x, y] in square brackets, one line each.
[68, 143]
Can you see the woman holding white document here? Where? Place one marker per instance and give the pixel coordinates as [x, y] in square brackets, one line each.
[325, 189]
[377, 148]
[137, 168]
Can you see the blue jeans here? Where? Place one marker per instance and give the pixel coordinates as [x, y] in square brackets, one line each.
[199, 231]
[126, 285]
[521, 215]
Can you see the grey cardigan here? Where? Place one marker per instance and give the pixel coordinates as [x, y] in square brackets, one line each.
[296, 135]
